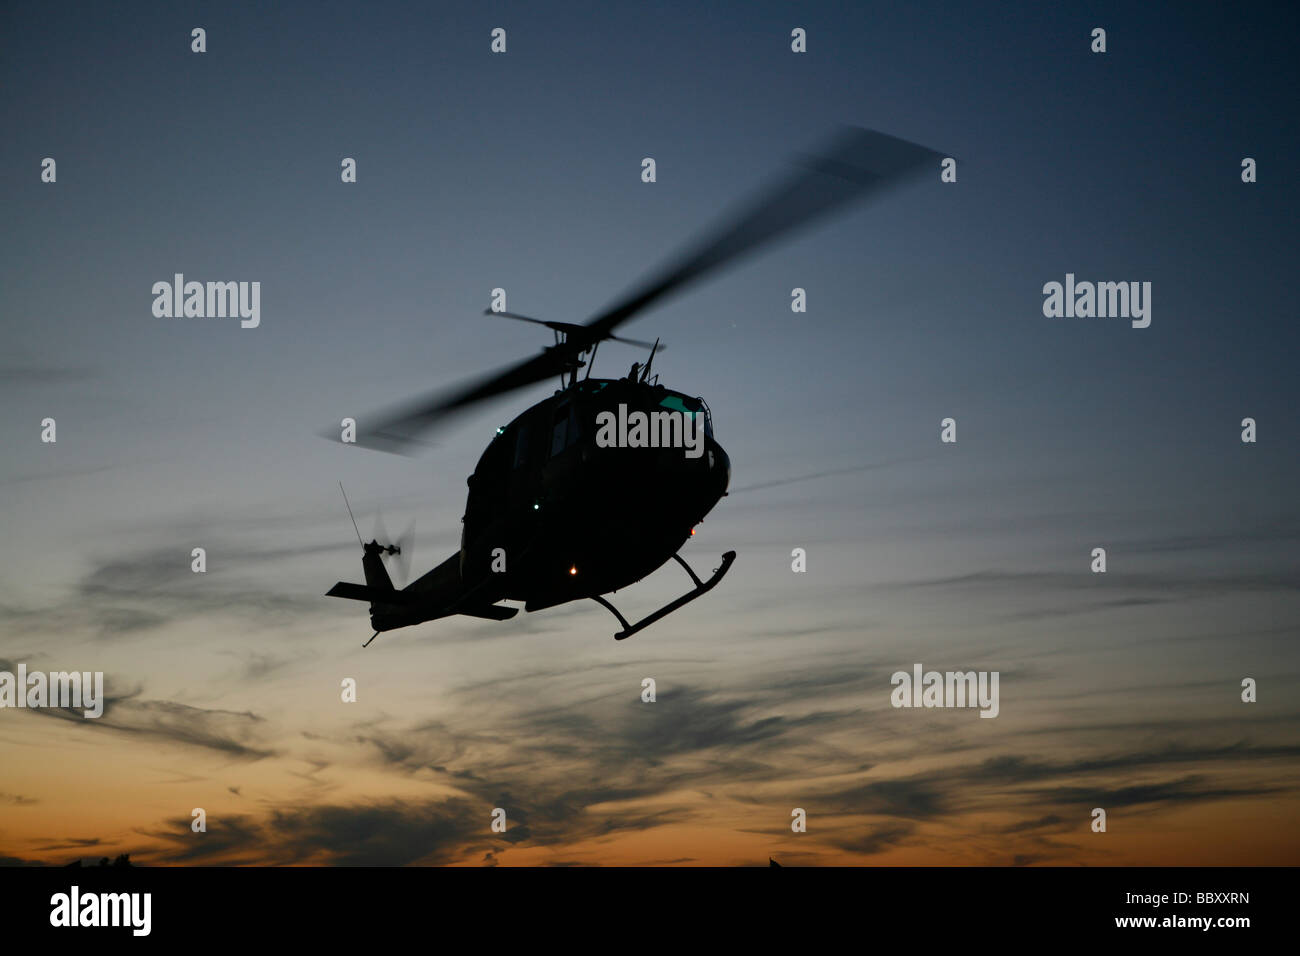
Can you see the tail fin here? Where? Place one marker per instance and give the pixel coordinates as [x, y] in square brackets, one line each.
[373, 566]
[378, 588]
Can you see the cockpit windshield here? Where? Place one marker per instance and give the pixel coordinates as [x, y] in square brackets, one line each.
[690, 406]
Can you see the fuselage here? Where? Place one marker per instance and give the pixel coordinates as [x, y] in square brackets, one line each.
[556, 512]
[569, 501]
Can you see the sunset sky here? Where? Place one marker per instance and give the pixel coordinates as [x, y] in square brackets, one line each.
[523, 171]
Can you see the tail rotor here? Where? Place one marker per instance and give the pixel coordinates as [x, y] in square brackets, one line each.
[399, 548]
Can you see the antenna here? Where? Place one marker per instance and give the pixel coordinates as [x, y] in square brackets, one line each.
[645, 372]
[350, 515]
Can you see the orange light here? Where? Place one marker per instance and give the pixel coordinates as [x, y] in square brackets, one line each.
[692, 532]
[573, 570]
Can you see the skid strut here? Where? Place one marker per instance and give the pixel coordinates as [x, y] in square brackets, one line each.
[700, 588]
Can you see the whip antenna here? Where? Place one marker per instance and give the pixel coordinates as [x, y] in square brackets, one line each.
[350, 515]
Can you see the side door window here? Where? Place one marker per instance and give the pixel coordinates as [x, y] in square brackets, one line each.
[560, 429]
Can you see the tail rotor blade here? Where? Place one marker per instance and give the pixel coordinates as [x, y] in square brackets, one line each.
[405, 548]
[399, 558]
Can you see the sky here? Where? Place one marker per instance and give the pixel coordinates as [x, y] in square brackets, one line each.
[522, 171]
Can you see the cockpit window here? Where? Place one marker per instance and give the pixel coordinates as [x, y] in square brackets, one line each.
[690, 406]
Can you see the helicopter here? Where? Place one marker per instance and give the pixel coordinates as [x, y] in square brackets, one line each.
[556, 510]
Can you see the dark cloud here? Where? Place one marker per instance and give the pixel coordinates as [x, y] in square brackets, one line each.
[1042, 596]
[84, 843]
[570, 770]
[916, 798]
[673, 862]
[1013, 769]
[231, 840]
[25, 376]
[571, 766]
[591, 767]
[125, 595]
[1191, 789]
[1084, 581]
[1082, 607]
[1050, 821]
[614, 752]
[388, 833]
[875, 840]
[156, 587]
[234, 733]
[385, 834]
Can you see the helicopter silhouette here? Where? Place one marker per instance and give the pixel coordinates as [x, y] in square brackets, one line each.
[558, 510]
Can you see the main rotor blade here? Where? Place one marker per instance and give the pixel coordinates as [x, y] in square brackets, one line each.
[398, 429]
[855, 163]
[579, 334]
[639, 343]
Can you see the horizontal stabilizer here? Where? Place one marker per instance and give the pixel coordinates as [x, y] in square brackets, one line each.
[363, 592]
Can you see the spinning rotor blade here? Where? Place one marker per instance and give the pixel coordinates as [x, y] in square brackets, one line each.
[404, 543]
[398, 430]
[855, 164]
[639, 343]
[558, 326]
[578, 334]
[405, 548]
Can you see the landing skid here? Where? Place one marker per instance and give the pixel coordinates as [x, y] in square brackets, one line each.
[700, 588]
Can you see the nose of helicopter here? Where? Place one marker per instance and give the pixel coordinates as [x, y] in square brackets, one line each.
[719, 476]
[698, 483]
